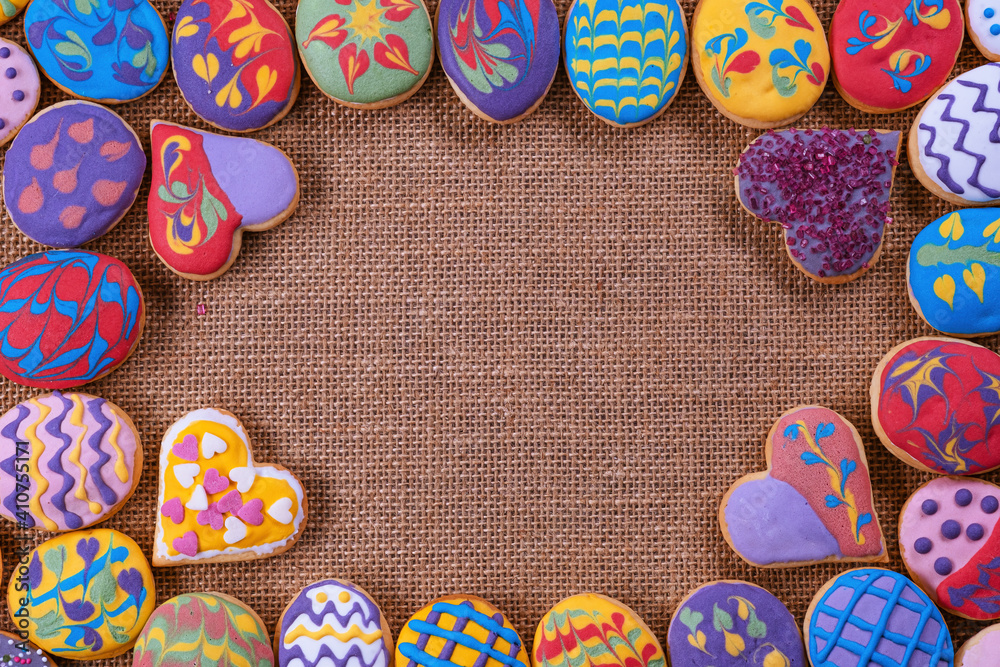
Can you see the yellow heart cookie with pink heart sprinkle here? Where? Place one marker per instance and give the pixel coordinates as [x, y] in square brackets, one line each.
[215, 504]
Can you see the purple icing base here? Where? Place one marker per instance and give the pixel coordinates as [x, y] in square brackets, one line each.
[770, 522]
[516, 98]
[781, 632]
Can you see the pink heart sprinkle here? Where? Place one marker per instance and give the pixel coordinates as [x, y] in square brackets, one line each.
[231, 502]
[214, 482]
[187, 544]
[187, 448]
[211, 517]
[173, 509]
[251, 512]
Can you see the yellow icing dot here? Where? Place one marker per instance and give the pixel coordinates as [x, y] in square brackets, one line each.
[344, 596]
[321, 597]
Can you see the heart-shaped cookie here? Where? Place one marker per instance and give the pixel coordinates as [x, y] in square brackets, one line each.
[221, 506]
[829, 190]
[813, 503]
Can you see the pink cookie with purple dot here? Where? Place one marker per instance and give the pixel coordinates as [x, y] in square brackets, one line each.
[950, 544]
[19, 89]
[829, 190]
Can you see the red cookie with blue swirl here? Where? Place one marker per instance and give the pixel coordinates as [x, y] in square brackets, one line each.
[333, 623]
[950, 545]
[499, 55]
[72, 174]
[67, 317]
[235, 62]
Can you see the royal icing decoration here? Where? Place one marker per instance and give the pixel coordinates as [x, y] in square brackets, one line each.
[829, 190]
[74, 172]
[10, 8]
[889, 55]
[594, 631]
[814, 502]
[459, 631]
[235, 62]
[206, 192]
[981, 650]
[333, 624]
[203, 515]
[500, 55]
[761, 63]
[936, 405]
[15, 652]
[872, 616]
[951, 546]
[105, 51]
[955, 139]
[734, 624]
[954, 272]
[983, 17]
[87, 594]
[83, 460]
[626, 60]
[67, 317]
[19, 88]
[369, 53]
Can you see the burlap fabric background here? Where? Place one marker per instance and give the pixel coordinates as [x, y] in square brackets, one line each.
[517, 361]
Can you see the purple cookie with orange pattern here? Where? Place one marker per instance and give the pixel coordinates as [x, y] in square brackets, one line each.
[72, 173]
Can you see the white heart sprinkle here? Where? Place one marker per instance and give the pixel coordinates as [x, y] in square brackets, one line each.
[236, 530]
[185, 473]
[280, 510]
[243, 477]
[212, 444]
[199, 500]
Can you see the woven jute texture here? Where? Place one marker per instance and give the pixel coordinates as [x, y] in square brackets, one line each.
[515, 361]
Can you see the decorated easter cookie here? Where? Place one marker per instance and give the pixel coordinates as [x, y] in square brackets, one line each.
[459, 631]
[954, 144]
[591, 630]
[829, 190]
[983, 17]
[203, 629]
[892, 54]
[763, 64]
[951, 546]
[235, 63]
[980, 651]
[67, 317]
[83, 460]
[499, 55]
[871, 616]
[936, 405]
[16, 652]
[10, 9]
[813, 503]
[72, 173]
[366, 54]
[734, 624]
[626, 60]
[953, 273]
[108, 52]
[19, 88]
[216, 504]
[206, 192]
[87, 594]
[333, 623]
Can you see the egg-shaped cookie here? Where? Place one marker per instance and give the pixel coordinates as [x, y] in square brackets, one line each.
[500, 56]
[981, 650]
[235, 62]
[110, 52]
[87, 461]
[365, 54]
[19, 89]
[626, 60]
[762, 64]
[86, 595]
[16, 652]
[72, 173]
[983, 19]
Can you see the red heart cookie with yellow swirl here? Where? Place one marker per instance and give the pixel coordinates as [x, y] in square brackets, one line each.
[215, 503]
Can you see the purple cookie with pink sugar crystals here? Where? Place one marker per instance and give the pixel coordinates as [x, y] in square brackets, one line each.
[829, 190]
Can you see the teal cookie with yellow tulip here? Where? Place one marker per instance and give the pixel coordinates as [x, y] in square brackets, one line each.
[953, 273]
[734, 624]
